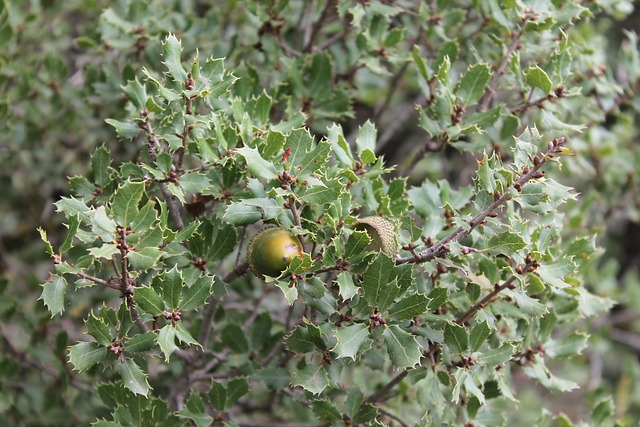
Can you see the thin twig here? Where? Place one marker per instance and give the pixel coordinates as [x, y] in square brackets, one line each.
[107, 283]
[172, 201]
[392, 416]
[490, 91]
[440, 248]
[485, 301]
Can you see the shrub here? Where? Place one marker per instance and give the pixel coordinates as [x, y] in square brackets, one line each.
[497, 272]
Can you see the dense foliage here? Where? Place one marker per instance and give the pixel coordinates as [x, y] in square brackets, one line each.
[496, 139]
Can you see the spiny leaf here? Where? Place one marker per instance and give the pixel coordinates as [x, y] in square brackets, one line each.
[134, 378]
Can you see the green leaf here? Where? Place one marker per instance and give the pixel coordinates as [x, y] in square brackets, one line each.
[437, 297]
[171, 50]
[409, 307]
[49, 247]
[141, 342]
[124, 130]
[346, 285]
[172, 283]
[539, 371]
[377, 280]
[197, 294]
[86, 354]
[103, 226]
[536, 77]
[496, 356]
[195, 411]
[420, 62]
[319, 75]
[166, 339]
[259, 167]
[366, 142]
[74, 222]
[479, 335]
[404, 350]
[312, 378]
[136, 93]
[236, 388]
[222, 240]
[554, 274]
[506, 243]
[529, 305]
[356, 244]
[125, 202]
[325, 410]
[133, 378]
[473, 83]
[275, 378]
[300, 341]
[99, 330]
[149, 301]
[184, 336]
[327, 193]
[315, 159]
[53, 292]
[217, 396]
[456, 338]
[145, 259]
[234, 337]
[568, 346]
[603, 412]
[106, 251]
[194, 182]
[350, 340]
[299, 143]
[100, 161]
[366, 414]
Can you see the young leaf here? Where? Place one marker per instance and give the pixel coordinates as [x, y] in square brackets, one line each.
[537, 77]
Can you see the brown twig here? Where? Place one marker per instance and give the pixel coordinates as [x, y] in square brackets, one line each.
[440, 248]
[485, 301]
[172, 201]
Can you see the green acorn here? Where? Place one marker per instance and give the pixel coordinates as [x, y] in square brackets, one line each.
[271, 250]
[381, 232]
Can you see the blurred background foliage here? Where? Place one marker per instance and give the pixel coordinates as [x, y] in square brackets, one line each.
[62, 64]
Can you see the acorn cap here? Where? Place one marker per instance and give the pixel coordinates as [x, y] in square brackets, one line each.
[271, 250]
[382, 234]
